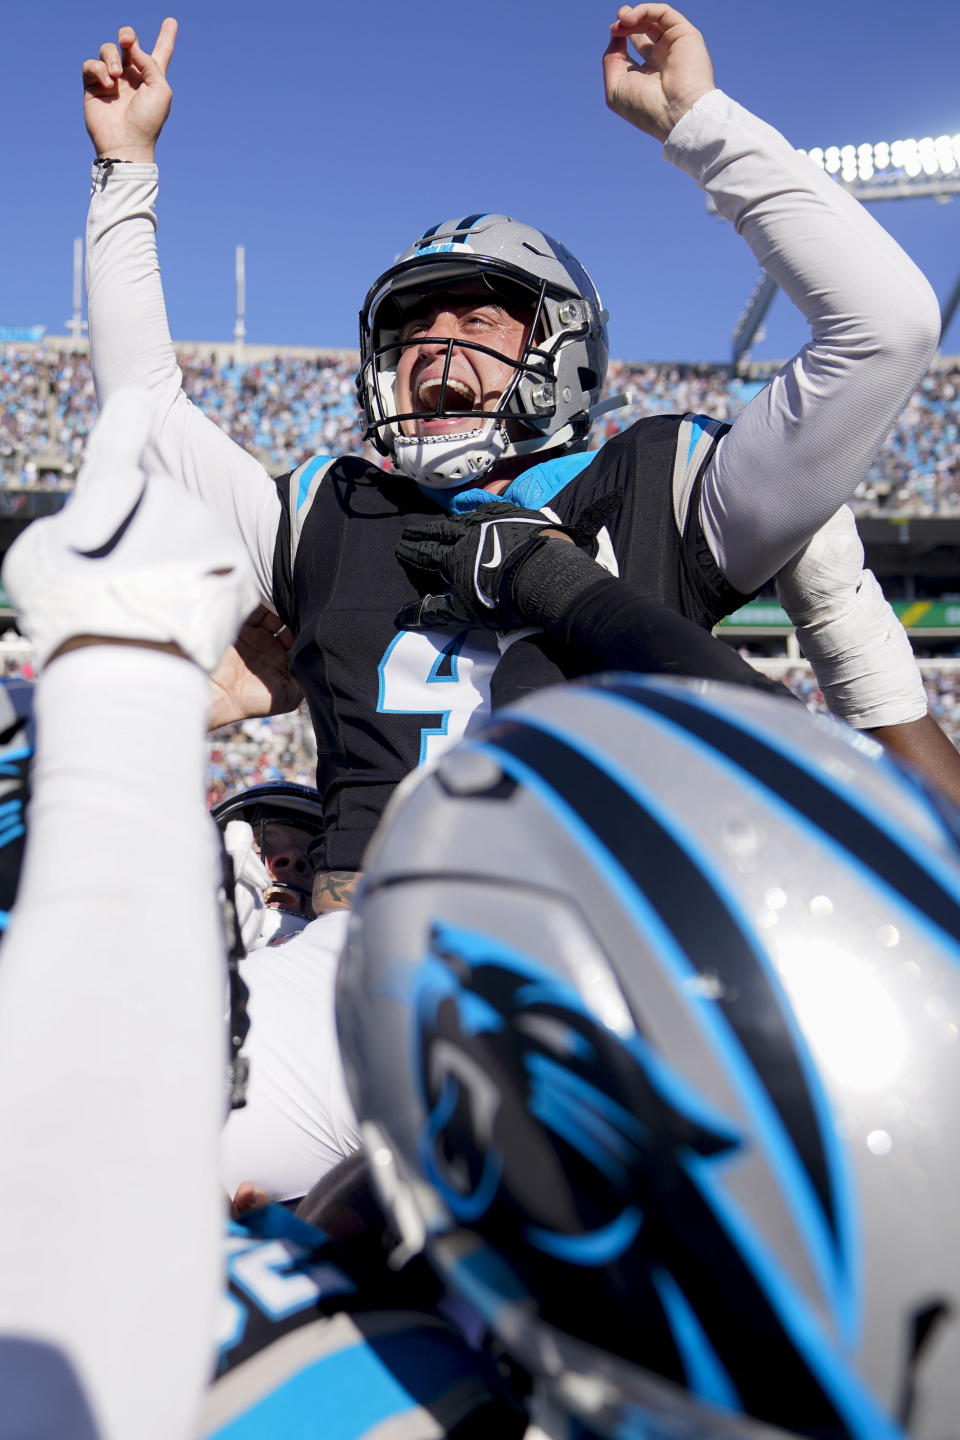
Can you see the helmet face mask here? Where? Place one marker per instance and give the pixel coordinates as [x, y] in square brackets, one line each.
[267, 810]
[555, 380]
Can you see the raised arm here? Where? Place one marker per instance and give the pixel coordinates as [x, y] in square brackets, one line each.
[803, 444]
[113, 972]
[126, 103]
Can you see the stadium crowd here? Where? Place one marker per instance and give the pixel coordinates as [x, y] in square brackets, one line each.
[287, 406]
[283, 748]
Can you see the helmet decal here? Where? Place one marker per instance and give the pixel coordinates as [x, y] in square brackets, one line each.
[565, 1145]
[849, 822]
[765, 1057]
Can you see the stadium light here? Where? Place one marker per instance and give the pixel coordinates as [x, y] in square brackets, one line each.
[893, 169]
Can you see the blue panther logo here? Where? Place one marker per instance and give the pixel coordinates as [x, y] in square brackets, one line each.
[593, 1168]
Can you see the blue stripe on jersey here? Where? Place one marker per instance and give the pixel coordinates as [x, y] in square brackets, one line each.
[533, 489]
[346, 1395]
[700, 425]
[274, 1222]
[307, 474]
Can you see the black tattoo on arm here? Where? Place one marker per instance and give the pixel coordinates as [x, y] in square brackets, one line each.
[333, 889]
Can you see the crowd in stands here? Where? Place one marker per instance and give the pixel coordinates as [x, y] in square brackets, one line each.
[286, 407]
[941, 681]
[283, 746]
[258, 752]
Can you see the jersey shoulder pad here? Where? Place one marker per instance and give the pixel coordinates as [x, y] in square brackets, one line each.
[299, 490]
[697, 438]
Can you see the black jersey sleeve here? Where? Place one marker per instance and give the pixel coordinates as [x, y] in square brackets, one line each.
[614, 626]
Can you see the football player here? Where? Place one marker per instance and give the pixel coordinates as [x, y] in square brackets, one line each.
[645, 1013]
[483, 357]
[296, 1122]
[113, 1307]
[267, 832]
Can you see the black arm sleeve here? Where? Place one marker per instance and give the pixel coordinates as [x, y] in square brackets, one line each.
[614, 626]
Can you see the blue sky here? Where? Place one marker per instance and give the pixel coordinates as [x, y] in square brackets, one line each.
[325, 137]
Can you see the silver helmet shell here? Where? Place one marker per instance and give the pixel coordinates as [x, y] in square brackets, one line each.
[557, 379]
[650, 1011]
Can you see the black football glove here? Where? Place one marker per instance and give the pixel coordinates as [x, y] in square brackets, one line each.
[488, 560]
[476, 555]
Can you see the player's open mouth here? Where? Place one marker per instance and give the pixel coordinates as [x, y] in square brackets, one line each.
[457, 399]
[459, 395]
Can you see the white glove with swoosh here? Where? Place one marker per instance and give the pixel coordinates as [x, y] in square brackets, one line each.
[131, 557]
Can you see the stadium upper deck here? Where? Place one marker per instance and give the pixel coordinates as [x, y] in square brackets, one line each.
[285, 404]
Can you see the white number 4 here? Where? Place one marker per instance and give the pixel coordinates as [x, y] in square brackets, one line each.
[424, 672]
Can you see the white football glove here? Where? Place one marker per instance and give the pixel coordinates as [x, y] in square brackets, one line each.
[131, 556]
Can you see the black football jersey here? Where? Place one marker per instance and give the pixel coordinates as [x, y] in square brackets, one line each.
[383, 699]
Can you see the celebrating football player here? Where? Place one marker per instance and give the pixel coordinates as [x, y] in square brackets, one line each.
[483, 359]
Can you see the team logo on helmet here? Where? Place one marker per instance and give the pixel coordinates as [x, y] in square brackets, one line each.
[591, 1165]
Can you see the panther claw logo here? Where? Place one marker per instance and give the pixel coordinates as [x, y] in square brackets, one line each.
[596, 1171]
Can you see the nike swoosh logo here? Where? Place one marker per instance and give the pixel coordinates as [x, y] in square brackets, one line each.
[103, 550]
[494, 560]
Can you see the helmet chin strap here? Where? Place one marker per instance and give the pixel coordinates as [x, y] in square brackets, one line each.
[444, 462]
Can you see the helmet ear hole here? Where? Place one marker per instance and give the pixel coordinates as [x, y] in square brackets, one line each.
[589, 379]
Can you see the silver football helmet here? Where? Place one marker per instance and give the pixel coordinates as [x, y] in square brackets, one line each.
[650, 1009]
[557, 380]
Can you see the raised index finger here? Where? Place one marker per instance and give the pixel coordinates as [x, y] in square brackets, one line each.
[163, 47]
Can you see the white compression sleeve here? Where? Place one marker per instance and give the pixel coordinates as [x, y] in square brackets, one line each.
[130, 345]
[112, 1045]
[804, 443]
[846, 628]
